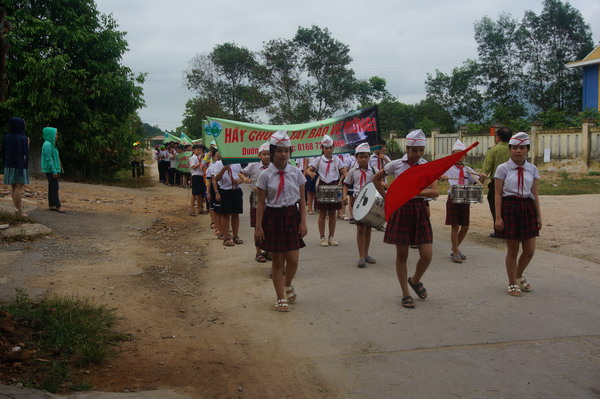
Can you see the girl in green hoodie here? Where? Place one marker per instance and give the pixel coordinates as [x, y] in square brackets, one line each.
[52, 167]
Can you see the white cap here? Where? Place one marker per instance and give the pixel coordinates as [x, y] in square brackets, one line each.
[458, 146]
[364, 147]
[520, 138]
[213, 143]
[416, 138]
[280, 139]
[327, 141]
[264, 147]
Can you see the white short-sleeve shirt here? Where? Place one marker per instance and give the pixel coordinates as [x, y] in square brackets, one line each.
[353, 178]
[193, 161]
[226, 180]
[268, 180]
[399, 166]
[454, 173]
[253, 170]
[320, 165]
[509, 173]
[379, 163]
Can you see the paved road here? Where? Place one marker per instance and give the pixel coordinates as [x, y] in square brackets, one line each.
[469, 339]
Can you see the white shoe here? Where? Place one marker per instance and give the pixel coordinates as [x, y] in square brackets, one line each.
[332, 242]
[324, 242]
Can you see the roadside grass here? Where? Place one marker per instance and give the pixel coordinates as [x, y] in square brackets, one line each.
[66, 333]
[12, 218]
[123, 179]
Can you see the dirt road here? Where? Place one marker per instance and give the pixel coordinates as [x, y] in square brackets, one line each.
[202, 313]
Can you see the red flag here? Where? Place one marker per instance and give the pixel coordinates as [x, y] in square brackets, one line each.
[417, 179]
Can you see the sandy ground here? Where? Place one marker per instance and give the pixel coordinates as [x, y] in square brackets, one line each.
[139, 251]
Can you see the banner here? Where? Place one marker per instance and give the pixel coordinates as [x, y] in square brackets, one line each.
[239, 141]
[206, 139]
[184, 139]
[169, 137]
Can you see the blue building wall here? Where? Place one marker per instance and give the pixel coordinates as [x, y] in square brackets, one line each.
[590, 86]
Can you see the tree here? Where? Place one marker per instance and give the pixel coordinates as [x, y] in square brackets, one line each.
[459, 93]
[65, 71]
[395, 116]
[434, 112]
[330, 82]
[196, 110]
[281, 74]
[227, 76]
[555, 37]
[372, 90]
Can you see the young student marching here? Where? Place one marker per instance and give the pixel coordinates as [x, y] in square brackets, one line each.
[518, 216]
[330, 171]
[281, 218]
[355, 180]
[213, 205]
[458, 215]
[230, 196]
[196, 166]
[250, 174]
[409, 224]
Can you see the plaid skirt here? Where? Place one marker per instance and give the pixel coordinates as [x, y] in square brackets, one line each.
[520, 219]
[327, 206]
[252, 211]
[457, 214]
[281, 227]
[409, 225]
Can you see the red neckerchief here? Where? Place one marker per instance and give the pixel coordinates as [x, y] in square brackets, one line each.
[461, 174]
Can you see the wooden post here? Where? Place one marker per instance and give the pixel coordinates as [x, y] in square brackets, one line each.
[586, 141]
[536, 127]
[434, 133]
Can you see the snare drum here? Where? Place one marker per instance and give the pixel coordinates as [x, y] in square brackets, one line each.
[369, 206]
[329, 193]
[466, 194]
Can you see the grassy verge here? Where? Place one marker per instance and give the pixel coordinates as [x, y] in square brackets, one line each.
[59, 335]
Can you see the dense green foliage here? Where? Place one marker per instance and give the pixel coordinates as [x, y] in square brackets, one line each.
[64, 71]
[520, 73]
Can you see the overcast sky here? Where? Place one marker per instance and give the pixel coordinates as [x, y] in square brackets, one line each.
[398, 40]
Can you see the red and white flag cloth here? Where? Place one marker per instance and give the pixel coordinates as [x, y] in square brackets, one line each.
[418, 178]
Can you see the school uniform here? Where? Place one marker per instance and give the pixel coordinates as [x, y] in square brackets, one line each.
[518, 206]
[458, 214]
[328, 172]
[198, 186]
[378, 163]
[409, 224]
[356, 179]
[252, 171]
[230, 192]
[281, 219]
[212, 204]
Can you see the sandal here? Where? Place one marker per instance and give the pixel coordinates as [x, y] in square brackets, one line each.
[408, 302]
[523, 284]
[456, 258]
[260, 258]
[291, 294]
[228, 242]
[212, 225]
[237, 240]
[267, 255]
[418, 287]
[514, 290]
[282, 305]
[192, 213]
[462, 256]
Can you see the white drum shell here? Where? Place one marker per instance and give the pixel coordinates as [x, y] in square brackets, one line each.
[369, 206]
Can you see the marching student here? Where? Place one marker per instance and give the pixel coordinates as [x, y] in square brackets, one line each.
[518, 216]
[378, 160]
[356, 178]
[281, 218]
[213, 205]
[196, 166]
[410, 224]
[458, 215]
[329, 170]
[250, 175]
[230, 196]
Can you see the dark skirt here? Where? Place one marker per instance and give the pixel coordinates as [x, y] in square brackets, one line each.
[457, 214]
[281, 227]
[252, 210]
[520, 219]
[327, 206]
[409, 225]
[311, 184]
[198, 186]
[231, 201]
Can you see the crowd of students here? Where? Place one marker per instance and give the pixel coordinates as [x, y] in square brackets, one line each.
[283, 194]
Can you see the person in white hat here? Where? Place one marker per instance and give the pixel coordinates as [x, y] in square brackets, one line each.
[250, 175]
[410, 224]
[458, 215]
[281, 218]
[356, 179]
[518, 215]
[330, 171]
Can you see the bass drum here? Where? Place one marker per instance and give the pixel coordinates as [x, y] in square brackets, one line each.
[369, 206]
